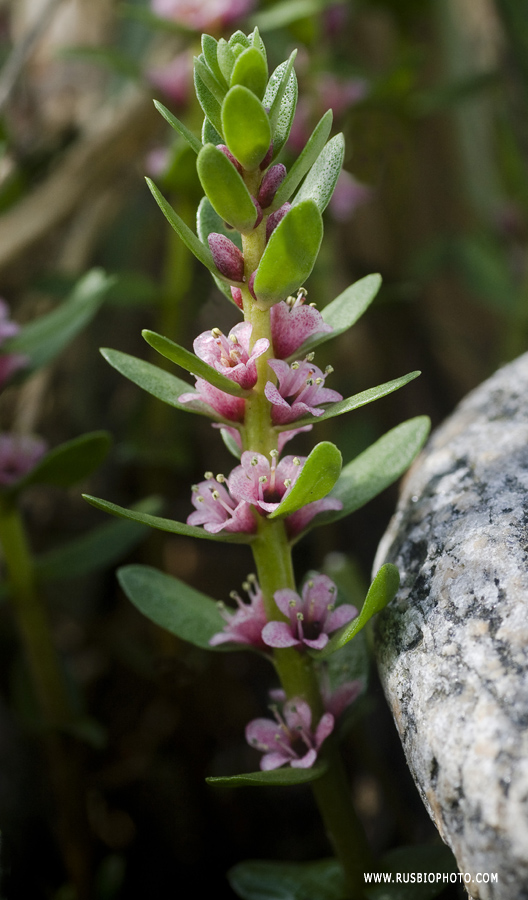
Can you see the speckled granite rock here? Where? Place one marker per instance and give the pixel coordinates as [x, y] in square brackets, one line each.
[453, 646]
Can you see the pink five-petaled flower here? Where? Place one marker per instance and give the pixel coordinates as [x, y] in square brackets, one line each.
[19, 454]
[293, 322]
[311, 619]
[217, 511]
[301, 389]
[225, 405]
[232, 355]
[244, 626]
[261, 483]
[290, 739]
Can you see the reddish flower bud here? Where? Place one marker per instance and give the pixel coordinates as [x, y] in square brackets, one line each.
[227, 152]
[259, 213]
[236, 294]
[275, 218]
[269, 156]
[227, 257]
[251, 282]
[270, 183]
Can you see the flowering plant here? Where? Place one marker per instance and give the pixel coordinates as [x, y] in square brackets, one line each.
[259, 230]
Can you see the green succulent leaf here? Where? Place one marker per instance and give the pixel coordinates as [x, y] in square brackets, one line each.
[274, 777]
[226, 59]
[210, 81]
[290, 254]
[267, 880]
[191, 241]
[344, 311]
[225, 189]
[321, 180]
[281, 99]
[377, 467]
[230, 443]
[209, 103]
[304, 161]
[172, 604]
[354, 402]
[210, 54]
[208, 221]
[69, 463]
[194, 143]
[155, 381]
[162, 524]
[256, 41]
[238, 37]
[45, 337]
[210, 134]
[381, 592]
[98, 549]
[316, 479]
[251, 71]
[192, 363]
[246, 127]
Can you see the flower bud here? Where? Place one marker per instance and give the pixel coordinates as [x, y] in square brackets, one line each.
[251, 282]
[275, 218]
[270, 183]
[227, 257]
[236, 294]
[259, 212]
[269, 155]
[226, 151]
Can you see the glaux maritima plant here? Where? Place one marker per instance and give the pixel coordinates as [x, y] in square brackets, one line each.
[259, 229]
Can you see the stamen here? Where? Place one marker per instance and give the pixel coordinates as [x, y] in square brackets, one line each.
[309, 382]
[309, 357]
[310, 584]
[292, 603]
[195, 488]
[313, 305]
[296, 461]
[246, 586]
[221, 478]
[287, 482]
[216, 333]
[329, 370]
[215, 495]
[208, 476]
[254, 461]
[200, 499]
[319, 380]
[263, 479]
[233, 338]
[331, 607]
[274, 454]
[295, 366]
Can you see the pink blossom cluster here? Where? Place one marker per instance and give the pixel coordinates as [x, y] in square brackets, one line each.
[19, 454]
[256, 486]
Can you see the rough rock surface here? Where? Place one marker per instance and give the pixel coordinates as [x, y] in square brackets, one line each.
[453, 645]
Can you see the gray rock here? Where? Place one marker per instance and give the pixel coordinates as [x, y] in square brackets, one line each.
[453, 646]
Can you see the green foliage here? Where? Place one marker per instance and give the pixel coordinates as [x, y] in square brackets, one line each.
[316, 479]
[281, 99]
[192, 363]
[67, 464]
[169, 525]
[48, 335]
[276, 777]
[172, 604]
[304, 161]
[290, 254]
[321, 180]
[179, 127]
[251, 71]
[263, 880]
[381, 592]
[246, 127]
[225, 189]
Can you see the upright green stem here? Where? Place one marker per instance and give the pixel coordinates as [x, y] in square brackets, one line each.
[272, 554]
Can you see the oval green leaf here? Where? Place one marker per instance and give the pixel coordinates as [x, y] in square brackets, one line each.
[69, 463]
[251, 71]
[246, 127]
[192, 363]
[45, 337]
[321, 180]
[210, 54]
[316, 479]
[208, 102]
[267, 880]
[225, 189]
[354, 402]
[281, 99]
[162, 524]
[283, 776]
[172, 604]
[381, 591]
[304, 161]
[290, 254]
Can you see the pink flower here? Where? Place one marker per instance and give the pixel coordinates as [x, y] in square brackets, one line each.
[261, 483]
[301, 389]
[337, 701]
[293, 322]
[244, 626]
[175, 79]
[9, 362]
[225, 405]
[19, 454]
[299, 520]
[203, 16]
[217, 511]
[311, 619]
[232, 356]
[289, 740]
